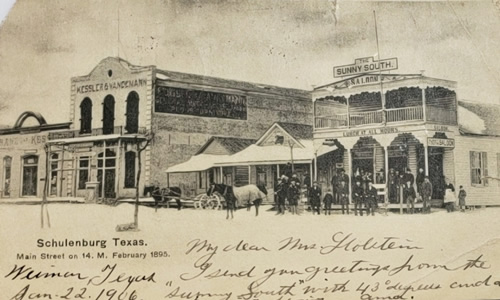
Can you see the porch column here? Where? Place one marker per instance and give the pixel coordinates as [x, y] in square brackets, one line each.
[249, 174]
[424, 107]
[221, 175]
[426, 157]
[117, 166]
[278, 168]
[349, 164]
[315, 171]
[386, 171]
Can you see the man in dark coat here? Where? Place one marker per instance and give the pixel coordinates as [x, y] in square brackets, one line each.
[426, 193]
[315, 197]
[408, 176]
[409, 196]
[392, 186]
[335, 184]
[328, 200]
[420, 180]
[343, 191]
[358, 194]
[281, 193]
[371, 199]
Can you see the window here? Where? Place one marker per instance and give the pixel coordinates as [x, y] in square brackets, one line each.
[130, 169]
[279, 139]
[83, 172]
[478, 168]
[7, 162]
[132, 114]
[86, 116]
[261, 175]
[108, 115]
[202, 179]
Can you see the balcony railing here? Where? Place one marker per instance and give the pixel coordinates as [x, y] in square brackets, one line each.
[414, 113]
[68, 134]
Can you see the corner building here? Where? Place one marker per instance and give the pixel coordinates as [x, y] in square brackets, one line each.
[117, 104]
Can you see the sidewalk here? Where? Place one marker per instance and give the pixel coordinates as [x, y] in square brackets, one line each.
[36, 200]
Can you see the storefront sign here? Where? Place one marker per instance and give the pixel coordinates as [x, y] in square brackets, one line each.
[365, 65]
[373, 131]
[17, 140]
[444, 143]
[362, 80]
[109, 86]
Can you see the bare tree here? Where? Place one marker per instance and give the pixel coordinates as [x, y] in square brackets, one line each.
[141, 142]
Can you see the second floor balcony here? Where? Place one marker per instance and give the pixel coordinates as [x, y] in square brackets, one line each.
[404, 106]
[116, 130]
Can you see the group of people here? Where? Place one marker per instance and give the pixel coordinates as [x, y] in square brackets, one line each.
[289, 190]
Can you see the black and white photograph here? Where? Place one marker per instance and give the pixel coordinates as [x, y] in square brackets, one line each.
[249, 150]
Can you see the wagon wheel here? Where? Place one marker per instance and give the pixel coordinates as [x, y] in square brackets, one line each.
[213, 202]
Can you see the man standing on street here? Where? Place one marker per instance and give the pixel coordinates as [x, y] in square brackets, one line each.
[426, 193]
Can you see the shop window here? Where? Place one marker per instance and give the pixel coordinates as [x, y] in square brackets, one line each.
[478, 168]
[83, 171]
[108, 115]
[132, 114]
[130, 169]
[86, 116]
[54, 170]
[7, 163]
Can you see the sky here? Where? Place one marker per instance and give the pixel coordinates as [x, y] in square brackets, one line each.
[43, 43]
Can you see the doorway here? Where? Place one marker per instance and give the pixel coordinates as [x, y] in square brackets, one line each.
[436, 172]
[106, 174]
[30, 175]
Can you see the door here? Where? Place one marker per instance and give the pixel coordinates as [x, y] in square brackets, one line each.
[30, 175]
[436, 176]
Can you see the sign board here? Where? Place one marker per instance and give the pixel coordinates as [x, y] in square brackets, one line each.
[362, 80]
[444, 143]
[365, 65]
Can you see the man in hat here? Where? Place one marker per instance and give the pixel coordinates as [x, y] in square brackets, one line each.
[409, 196]
[420, 180]
[315, 198]
[343, 191]
[426, 193]
[358, 195]
[371, 199]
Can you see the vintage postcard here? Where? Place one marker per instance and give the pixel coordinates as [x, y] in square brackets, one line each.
[250, 150]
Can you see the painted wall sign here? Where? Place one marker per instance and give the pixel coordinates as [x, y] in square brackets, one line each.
[200, 103]
[97, 87]
[365, 65]
[445, 143]
[373, 131]
[17, 140]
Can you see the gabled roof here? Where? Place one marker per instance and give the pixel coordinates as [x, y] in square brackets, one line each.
[296, 132]
[231, 144]
[478, 118]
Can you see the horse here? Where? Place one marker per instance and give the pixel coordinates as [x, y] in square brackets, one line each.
[237, 196]
[164, 194]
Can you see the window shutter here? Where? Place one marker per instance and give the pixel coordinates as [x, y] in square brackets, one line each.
[471, 157]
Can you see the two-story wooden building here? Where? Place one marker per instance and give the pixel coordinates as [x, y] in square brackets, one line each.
[389, 123]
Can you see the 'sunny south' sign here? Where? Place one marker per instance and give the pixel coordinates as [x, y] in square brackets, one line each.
[365, 65]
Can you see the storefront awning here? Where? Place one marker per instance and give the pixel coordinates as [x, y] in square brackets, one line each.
[275, 154]
[197, 163]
